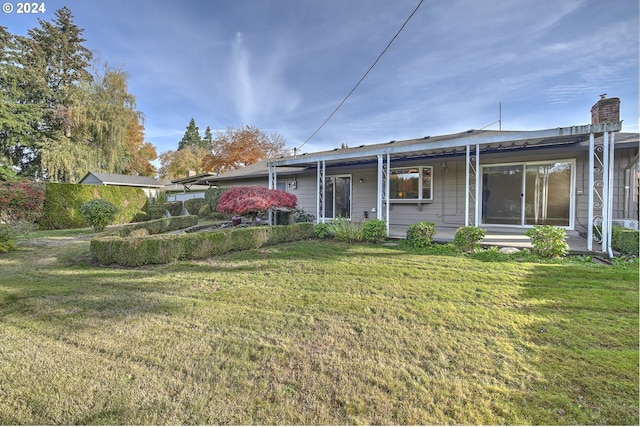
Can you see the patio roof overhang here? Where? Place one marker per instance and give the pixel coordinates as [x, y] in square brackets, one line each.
[451, 145]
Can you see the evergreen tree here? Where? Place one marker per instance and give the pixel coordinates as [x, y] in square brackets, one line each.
[57, 46]
[191, 137]
[57, 120]
[19, 117]
[52, 65]
[207, 141]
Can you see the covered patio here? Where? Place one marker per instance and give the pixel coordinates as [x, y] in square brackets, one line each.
[474, 145]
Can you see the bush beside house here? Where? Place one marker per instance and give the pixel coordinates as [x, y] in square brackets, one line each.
[62, 203]
[254, 201]
[625, 240]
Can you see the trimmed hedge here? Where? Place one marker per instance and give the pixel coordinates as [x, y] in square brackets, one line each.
[193, 205]
[174, 208]
[165, 248]
[625, 240]
[62, 203]
[156, 226]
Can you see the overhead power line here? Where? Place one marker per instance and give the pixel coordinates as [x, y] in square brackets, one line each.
[363, 77]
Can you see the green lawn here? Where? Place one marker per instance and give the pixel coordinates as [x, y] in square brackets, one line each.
[315, 332]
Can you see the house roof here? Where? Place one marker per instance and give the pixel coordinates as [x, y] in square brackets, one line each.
[453, 144]
[443, 145]
[193, 178]
[256, 170]
[124, 180]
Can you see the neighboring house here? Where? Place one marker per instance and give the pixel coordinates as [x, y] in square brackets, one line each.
[573, 177]
[151, 186]
[188, 188]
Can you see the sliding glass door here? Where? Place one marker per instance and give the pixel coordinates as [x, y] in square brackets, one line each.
[528, 194]
[337, 197]
[502, 194]
[548, 194]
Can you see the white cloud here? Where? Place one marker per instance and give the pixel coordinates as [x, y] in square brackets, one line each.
[257, 83]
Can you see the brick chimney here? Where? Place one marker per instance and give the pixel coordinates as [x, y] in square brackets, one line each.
[606, 110]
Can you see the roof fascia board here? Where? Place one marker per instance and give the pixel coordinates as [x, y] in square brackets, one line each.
[452, 143]
[127, 184]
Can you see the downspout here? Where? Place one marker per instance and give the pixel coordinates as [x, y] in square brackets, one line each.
[628, 181]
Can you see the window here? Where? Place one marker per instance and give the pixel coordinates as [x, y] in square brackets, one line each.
[412, 183]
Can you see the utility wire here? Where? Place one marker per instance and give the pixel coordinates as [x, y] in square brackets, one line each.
[363, 77]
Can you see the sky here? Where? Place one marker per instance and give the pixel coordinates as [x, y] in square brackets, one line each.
[285, 65]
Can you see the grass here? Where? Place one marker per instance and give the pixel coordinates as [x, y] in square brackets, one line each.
[317, 332]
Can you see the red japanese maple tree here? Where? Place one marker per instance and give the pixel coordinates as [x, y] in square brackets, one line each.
[254, 201]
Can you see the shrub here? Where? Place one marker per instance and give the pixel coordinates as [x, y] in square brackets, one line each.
[21, 201]
[212, 196]
[467, 238]
[156, 226]
[254, 201]
[374, 230]
[193, 205]
[98, 213]
[155, 207]
[322, 230]
[6, 239]
[420, 235]
[204, 211]
[548, 241]
[299, 215]
[174, 208]
[156, 211]
[157, 249]
[62, 203]
[624, 240]
[345, 229]
[141, 217]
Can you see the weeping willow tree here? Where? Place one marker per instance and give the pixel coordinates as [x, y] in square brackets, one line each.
[66, 160]
[102, 117]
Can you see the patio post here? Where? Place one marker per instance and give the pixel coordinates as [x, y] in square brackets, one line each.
[472, 171]
[273, 183]
[478, 198]
[321, 167]
[590, 190]
[610, 199]
[386, 192]
[380, 192]
[466, 185]
[605, 191]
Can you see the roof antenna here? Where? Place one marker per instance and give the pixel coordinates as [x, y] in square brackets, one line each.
[500, 116]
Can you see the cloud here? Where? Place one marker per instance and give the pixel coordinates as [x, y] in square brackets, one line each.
[241, 82]
[257, 82]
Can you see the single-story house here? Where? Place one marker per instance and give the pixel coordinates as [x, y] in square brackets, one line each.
[574, 177]
[151, 186]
